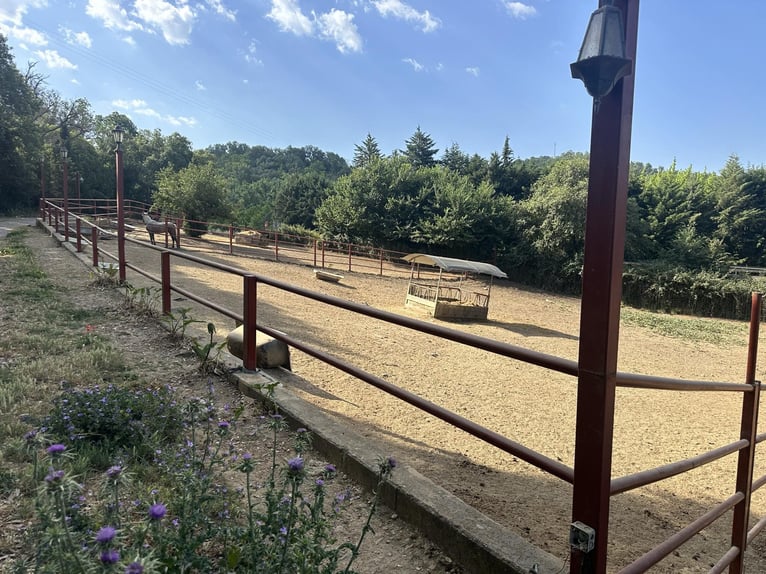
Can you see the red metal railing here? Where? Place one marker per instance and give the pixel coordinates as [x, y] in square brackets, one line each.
[744, 446]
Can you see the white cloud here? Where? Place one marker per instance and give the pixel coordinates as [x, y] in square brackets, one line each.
[112, 15]
[474, 71]
[339, 26]
[399, 9]
[53, 59]
[175, 22]
[336, 25]
[128, 104]
[417, 66]
[141, 108]
[77, 38]
[129, 40]
[200, 86]
[520, 10]
[12, 11]
[221, 10]
[250, 55]
[288, 16]
[25, 35]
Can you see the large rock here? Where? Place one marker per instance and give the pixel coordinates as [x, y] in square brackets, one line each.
[269, 352]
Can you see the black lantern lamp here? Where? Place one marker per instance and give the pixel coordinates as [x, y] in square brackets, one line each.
[602, 60]
[118, 134]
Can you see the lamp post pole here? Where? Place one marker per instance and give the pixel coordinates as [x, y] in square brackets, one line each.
[600, 308]
[42, 187]
[66, 193]
[118, 136]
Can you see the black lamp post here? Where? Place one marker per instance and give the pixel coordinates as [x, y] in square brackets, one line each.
[605, 65]
[66, 193]
[119, 134]
[42, 187]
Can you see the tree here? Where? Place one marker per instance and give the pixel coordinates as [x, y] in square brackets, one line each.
[297, 197]
[196, 192]
[366, 152]
[420, 149]
[553, 220]
[20, 144]
[455, 159]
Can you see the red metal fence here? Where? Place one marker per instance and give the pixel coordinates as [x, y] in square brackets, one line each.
[744, 447]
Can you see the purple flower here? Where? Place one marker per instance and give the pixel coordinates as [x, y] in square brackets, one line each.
[55, 449]
[114, 472]
[391, 462]
[157, 511]
[54, 476]
[319, 482]
[30, 436]
[110, 556]
[283, 530]
[302, 430]
[223, 425]
[106, 534]
[331, 469]
[247, 456]
[134, 568]
[295, 464]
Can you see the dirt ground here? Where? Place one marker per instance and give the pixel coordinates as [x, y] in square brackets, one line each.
[158, 359]
[527, 404]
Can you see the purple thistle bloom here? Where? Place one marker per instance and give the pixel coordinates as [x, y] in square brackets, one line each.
[55, 449]
[54, 476]
[157, 511]
[331, 468]
[319, 482]
[106, 534]
[391, 462]
[30, 436]
[134, 568]
[110, 556]
[283, 530]
[302, 430]
[295, 464]
[223, 425]
[114, 472]
[247, 456]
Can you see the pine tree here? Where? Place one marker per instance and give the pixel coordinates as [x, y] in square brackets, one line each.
[366, 152]
[420, 149]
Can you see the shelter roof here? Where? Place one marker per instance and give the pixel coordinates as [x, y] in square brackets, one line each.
[455, 265]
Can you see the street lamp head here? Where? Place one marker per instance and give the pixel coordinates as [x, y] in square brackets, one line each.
[64, 153]
[602, 60]
[118, 134]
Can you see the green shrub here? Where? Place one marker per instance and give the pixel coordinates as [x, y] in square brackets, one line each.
[114, 418]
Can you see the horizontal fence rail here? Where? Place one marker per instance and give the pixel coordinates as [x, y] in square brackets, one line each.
[744, 447]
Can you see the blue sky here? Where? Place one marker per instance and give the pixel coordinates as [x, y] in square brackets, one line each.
[326, 73]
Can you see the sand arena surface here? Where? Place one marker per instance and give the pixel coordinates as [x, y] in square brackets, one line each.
[527, 404]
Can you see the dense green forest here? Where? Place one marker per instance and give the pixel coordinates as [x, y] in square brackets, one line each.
[685, 229]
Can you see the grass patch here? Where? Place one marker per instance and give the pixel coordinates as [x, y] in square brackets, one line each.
[692, 329]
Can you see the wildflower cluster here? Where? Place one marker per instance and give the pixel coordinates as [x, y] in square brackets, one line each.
[190, 519]
[115, 418]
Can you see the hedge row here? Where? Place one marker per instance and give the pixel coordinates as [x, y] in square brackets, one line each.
[700, 293]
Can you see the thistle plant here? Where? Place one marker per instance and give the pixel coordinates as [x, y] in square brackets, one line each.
[178, 321]
[196, 506]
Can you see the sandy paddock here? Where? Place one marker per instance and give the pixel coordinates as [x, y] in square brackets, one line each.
[527, 404]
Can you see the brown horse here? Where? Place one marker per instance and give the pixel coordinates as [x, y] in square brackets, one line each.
[153, 226]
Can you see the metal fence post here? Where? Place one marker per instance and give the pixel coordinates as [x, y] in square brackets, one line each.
[276, 246]
[231, 240]
[165, 267]
[249, 358]
[748, 431]
[349, 257]
[94, 244]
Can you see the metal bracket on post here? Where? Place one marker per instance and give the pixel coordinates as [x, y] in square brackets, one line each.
[582, 537]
